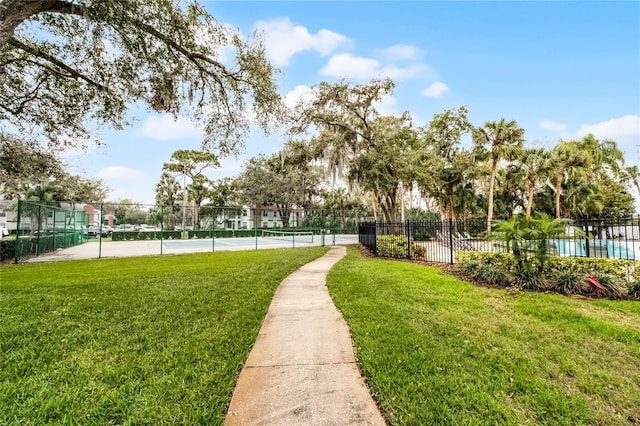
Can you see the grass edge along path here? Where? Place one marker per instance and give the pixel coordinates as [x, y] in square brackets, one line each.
[437, 350]
[146, 340]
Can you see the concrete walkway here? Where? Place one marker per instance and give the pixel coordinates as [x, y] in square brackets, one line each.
[302, 369]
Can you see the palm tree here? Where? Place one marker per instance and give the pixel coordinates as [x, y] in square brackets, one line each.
[536, 165]
[567, 159]
[168, 191]
[632, 174]
[503, 141]
[581, 198]
[37, 198]
[198, 190]
[603, 155]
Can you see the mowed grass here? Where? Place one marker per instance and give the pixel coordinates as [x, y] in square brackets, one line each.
[436, 350]
[148, 340]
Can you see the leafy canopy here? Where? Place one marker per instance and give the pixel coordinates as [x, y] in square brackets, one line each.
[69, 65]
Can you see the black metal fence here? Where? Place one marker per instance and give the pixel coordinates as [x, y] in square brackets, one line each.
[438, 241]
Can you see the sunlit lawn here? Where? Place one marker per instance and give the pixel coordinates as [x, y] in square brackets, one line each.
[436, 350]
[148, 340]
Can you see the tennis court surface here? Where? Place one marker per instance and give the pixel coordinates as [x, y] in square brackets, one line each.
[94, 250]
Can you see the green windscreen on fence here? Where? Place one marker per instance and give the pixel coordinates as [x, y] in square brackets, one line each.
[41, 228]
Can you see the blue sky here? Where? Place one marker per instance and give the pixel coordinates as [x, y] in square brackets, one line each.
[560, 69]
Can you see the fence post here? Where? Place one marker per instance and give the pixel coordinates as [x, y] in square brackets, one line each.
[161, 227]
[408, 231]
[255, 224]
[451, 239]
[214, 221]
[15, 249]
[586, 235]
[38, 239]
[100, 232]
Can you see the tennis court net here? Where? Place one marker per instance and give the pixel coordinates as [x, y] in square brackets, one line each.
[296, 236]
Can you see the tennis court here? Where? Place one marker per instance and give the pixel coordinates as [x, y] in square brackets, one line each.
[94, 250]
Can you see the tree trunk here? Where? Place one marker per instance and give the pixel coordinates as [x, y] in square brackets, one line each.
[196, 215]
[15, 12]
[531, 188]
[558, 193]
[388, 204]
[494, 167]
[637, 185]
[401, 202]
[284, 211]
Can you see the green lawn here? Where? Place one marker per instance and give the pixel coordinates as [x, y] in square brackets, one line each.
[148, 340]
[436, 350]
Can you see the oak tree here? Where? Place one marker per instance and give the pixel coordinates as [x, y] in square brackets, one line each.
[67, 66]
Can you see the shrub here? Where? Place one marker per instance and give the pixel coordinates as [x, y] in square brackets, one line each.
[614, 285]
[569, 281]
[621, 268]
[634, 289]
[493, 275]
[419, 250]
[504, 260]
[528, 238]
[395, 246]
[470, 266]
[7, 249]
[530, 279]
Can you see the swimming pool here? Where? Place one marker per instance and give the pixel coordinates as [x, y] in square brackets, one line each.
[598, 248]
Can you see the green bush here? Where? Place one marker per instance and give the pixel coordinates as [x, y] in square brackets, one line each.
[493, 275]
[470, 266]
[624, 269]
[613, 284]
[504, 260]
[530, 279]
[634, 289]
[395, 246]
[569, 281]
[627, 270]
[135, 235]
[7, 249]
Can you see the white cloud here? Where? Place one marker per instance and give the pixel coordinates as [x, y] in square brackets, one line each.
[625, 131]
[361, 68]
[625, 128]
[346, 65]
[125, 182]
[302, 92]
[166, 127]
[435, 90]
[121, 174]
[283, 40]
[552, 126]
[398, 52]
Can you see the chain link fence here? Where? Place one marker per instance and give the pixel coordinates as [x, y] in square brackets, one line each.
[40, 228]
[113, 229]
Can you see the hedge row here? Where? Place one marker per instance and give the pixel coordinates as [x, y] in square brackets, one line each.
[176, 235]
[627, 270]
[395, 246]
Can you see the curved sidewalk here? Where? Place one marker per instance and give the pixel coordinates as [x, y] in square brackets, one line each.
[302, 368]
